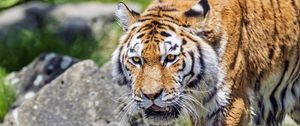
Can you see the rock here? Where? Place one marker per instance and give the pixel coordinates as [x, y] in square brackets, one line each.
[84, 95]
[67, 20]
[36, 75]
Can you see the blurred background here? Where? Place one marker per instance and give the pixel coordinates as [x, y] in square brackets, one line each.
[70, 30]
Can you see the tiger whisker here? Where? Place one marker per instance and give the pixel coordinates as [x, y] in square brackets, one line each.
[129, 108]
[197, 91]
[120, 99]
[184, 113]
[126, 107]
[194, 111]
[194, 100]
[190, 109]
[131, 111]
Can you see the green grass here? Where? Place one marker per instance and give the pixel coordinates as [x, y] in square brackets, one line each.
[21, 47]
[7, 95]
[7, 3]
[108, 43]
[183, 122]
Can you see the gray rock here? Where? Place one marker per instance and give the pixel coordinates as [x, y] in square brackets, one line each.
[84, 95]
[37, 74]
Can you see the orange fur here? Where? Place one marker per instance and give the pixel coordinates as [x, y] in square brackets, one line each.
[261, 36]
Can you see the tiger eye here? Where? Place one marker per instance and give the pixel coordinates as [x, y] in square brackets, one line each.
[136, 59]
[170, 57]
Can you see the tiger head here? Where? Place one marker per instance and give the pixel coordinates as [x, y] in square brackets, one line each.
[163, 61]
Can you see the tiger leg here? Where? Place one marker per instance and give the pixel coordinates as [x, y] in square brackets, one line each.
[238, 113]
[295, 112]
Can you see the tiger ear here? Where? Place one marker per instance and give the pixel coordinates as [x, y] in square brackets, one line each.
[199, 10]
[126, 16]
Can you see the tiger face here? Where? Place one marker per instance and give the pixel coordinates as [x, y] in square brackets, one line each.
[164, 64]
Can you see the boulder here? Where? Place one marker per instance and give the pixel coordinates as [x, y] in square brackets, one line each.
[84, 95]
[37, 74]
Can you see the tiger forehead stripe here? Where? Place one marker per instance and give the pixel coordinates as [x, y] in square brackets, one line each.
[188, 37]
[162, 17]
[140, 36]
[163, 8]
[168, 16]
[165, 34]
[162, 20]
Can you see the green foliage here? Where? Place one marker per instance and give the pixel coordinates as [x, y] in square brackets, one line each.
[184, 121]
[7, 95]
[7, 3]
[21, 47]
[107, 44]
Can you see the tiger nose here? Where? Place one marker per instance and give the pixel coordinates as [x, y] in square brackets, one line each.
[153, 96]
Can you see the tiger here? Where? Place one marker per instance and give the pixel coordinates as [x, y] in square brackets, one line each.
[217, 62]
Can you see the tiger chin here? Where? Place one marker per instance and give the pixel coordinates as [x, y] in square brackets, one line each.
[214, 61]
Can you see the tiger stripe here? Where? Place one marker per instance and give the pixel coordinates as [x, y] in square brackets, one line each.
[243, 54]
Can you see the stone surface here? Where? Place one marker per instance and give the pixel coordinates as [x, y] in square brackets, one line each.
[84, 95]
[37, 74]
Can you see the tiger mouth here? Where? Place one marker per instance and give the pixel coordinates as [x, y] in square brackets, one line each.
[169, 112]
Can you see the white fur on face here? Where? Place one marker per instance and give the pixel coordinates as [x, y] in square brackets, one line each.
[213, 75]
[170, 42]
[171, 45]
[135, 47]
